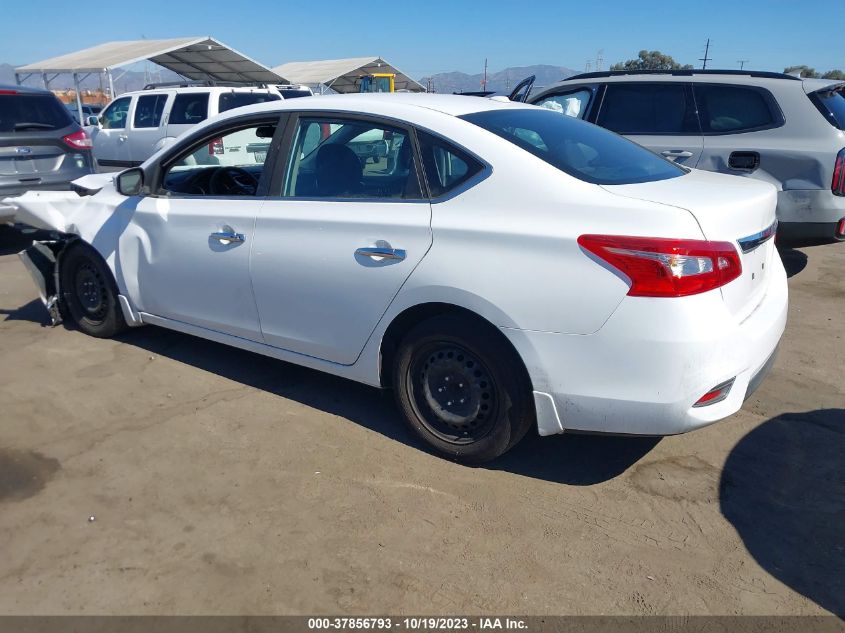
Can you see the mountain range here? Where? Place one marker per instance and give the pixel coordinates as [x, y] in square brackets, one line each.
[502, 81]
[123, 81]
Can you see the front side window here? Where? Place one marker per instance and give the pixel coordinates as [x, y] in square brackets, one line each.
[231, 100]
[725, 108]
[231, 164]
[337, 158]
[189, 108]
[148, 111]
[580, 149]
[114, 117]
[446, 167]
[572, 104]
[648, 109]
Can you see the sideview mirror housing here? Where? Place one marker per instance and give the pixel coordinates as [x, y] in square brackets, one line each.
[92, 120]
[130, 182]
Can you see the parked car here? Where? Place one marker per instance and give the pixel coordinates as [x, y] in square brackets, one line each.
[41, 147]
[88, 110]
[500, 266]
[137, 124]
[767, 126]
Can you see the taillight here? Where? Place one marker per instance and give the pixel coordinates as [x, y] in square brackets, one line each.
[79, 140]
[837, 185]
[216, 147]
[665, 267]
[716, 394]
[6, 91]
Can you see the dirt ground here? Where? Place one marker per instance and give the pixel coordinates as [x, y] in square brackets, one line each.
[221, 482]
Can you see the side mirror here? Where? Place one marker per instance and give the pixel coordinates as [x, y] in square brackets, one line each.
[92, 120]
[130, 182]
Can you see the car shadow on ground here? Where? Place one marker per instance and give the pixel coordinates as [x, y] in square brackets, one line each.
[783, 489]
[793, 261]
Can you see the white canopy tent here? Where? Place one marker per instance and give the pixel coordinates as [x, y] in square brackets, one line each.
[343, 75]
[197, 58]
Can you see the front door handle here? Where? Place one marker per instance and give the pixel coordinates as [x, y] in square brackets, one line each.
[382, 253]
[676, 153]
[228, 237]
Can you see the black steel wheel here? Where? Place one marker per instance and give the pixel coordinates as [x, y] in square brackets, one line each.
[462, 388]
[89, 291]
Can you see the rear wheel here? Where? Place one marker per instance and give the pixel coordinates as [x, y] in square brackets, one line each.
[90, 292]
[461, 388]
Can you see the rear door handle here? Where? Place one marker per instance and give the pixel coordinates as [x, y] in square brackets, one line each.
[676, 153]
[228, 237]
[383, 253]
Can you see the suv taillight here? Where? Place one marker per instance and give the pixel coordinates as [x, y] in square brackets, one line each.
[78, 140]
[665, 267]
[215, 146]
[837, 185]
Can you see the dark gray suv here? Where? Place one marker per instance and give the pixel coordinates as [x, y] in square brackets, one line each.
[776, 128]
[41, 146]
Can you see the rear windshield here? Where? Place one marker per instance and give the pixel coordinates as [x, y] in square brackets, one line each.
[31, 113]
[229, 100]
[580, 149]
[831, 103]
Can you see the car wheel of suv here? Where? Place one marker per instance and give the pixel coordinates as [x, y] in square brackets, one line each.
[90, 292]
[461, 389]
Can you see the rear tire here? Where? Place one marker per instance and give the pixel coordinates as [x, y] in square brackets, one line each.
[462, 388]
[89, 292]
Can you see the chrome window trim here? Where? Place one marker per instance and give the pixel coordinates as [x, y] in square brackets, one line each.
[749, 243]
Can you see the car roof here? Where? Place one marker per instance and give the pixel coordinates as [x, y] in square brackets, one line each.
[190, 89]
[735, 76]
[455, 105]
[28, 90]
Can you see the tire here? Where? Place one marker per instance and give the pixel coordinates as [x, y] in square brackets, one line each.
[89, 292]
[462, 389]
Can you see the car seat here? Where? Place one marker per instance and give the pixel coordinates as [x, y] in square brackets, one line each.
[338, 171]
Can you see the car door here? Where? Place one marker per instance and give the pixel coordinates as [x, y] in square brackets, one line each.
[147, 127]
[111, 149]
[659, 116]
[347, 228]
[188, 109]
[197, 228]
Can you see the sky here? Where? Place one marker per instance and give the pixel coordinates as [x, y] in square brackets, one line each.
[431, 36]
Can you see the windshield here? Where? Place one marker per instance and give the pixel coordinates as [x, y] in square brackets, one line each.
[831, 103]
[580, 149]
[22, 112]
[230, 100]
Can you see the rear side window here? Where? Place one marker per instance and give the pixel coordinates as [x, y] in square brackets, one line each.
[572, 104]
[189, 108]
[446, 166]
[653, 109]
[724, 109]
[27, 113]
[148, 110]
[114, 117]
[582, 150]
[230, 100]
[831, 103]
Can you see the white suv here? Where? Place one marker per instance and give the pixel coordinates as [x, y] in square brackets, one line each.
[137, 124]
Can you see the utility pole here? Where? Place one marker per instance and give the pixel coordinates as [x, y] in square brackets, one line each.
[600, 60]
[484, 80]
[742, 63]
[706, 58]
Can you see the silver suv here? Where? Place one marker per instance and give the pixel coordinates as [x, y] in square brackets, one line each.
[778, 128]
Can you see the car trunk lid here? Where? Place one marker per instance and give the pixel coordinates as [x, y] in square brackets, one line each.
[728, 209]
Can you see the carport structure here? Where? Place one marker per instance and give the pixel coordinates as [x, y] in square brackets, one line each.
[195, 58]
[343, 75]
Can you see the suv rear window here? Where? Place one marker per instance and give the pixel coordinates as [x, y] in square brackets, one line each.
[189, 108]
[580, 149]
[230, 100]
[831, 103]
[730, 109]
[30, 113]
[648, 108]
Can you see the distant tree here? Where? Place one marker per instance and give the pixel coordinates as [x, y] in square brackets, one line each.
[805, 71]
[650, 60]
[834, 74]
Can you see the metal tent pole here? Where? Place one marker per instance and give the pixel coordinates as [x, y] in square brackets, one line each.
[111, 85]
[78, 98]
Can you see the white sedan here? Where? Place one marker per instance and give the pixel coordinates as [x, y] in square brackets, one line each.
[500, 266]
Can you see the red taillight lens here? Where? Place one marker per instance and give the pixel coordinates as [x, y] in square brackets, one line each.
[78, 140]
[665, 267]
[837, 185]
[8, 92]
[216, 147]
[716, 394]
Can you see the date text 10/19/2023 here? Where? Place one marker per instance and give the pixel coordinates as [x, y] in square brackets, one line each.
[417, 624]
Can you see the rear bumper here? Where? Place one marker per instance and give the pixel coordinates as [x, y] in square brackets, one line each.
[641, 373]
[799, 231]
[817, 208]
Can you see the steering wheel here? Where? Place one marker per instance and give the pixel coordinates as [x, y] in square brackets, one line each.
[232, 181]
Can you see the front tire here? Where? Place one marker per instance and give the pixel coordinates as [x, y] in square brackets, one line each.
[89, 292]
[462, 389]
